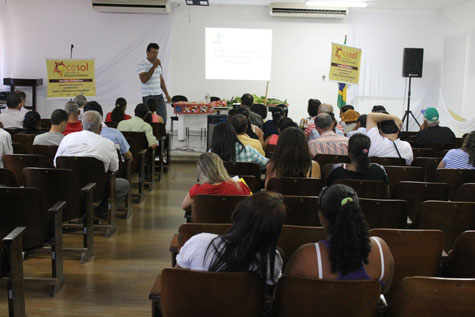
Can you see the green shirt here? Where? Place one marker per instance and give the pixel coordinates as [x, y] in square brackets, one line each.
[136, 124]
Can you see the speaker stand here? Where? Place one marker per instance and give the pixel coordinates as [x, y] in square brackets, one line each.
[408, 111]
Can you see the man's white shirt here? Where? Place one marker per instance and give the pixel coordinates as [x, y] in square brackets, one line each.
[89, 144]
[5, 145]
[12, 118]
[383, 147]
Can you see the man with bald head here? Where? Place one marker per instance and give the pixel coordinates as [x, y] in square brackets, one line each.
[90, 143]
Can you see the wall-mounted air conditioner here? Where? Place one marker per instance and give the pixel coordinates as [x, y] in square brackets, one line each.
[301, 10]
[132, 6]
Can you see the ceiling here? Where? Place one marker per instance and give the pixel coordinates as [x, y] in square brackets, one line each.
[427, 5]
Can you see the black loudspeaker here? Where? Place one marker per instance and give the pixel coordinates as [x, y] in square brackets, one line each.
[412, 62]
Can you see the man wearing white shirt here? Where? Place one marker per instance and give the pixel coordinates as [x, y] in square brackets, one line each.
[151, 80]
[89, 143]
[5, 145]
[12, 117]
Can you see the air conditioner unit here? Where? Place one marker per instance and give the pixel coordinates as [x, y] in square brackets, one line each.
[131, 6]
[301, 10]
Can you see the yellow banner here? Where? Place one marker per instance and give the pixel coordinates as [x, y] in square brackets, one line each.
[345, 64]
[70, 77]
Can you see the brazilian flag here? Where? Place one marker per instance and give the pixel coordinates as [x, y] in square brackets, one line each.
[341, 95]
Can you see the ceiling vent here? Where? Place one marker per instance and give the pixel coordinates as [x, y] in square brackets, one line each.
[298, 10]
[132, 6]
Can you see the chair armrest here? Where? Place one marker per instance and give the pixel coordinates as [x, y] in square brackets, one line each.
[174, 243]
[156, 289]
[89, 187]
[57, 207]
[17, 233]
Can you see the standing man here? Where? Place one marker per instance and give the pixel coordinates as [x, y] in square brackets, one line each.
[152, 82]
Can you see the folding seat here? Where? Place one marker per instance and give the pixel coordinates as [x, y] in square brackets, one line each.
[214, 208]
[144, 157]
[366, 188]
[25, 139]
[461, 259]
[243, 168]
[301, 211]
[429, 164]
[395, 161]
[17, 162]
[454, 177]
[47, 150]
[422, 152]
[269, 149]
[398, 174]
[384, 213]
[324, 159]
[7, 178]
[297, 186]
[465, 192]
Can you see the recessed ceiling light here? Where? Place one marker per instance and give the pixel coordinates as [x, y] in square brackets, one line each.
[349, 4]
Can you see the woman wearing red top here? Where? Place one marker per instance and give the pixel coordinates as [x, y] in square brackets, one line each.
[118, 114]
[213, 180]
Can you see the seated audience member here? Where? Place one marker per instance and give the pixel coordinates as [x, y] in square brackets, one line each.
[379, 109]
[270, 126]
[6, 146]
[383, 130]
[214, 180]
[74, 124]
[431, 131]
[247, 101]
[152, 105]
[350, 118]
[59, 119]
[328, 142]
[253, 131]
[283, 124]
[31, 123]
[89, 143]
[118, 113]
[110, 133]
[345, 108]
[360, 167]
[292, 157]
[337, 128]
[12, 117]
[349, 253]
[81, 101]
[360, 126]
[240, 125]
[249, 246]
[22, 96]
[137, 124]
[227, 146]
[309, 123]
[463, 158]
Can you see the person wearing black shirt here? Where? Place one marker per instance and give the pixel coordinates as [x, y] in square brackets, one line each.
[431, 131]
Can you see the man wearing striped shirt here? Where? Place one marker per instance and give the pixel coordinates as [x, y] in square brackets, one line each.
[328, 142]
[151, 80]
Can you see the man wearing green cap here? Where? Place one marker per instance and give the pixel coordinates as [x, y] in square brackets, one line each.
[431, 131]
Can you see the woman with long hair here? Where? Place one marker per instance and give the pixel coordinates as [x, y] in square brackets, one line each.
[227, 146]
[152, 105]
[292, 157]
[31, 123]
[463, 158]
[360, 166]
[214, 180]
[118, 113]
[348, 253]
[249, 246]
[283, 124]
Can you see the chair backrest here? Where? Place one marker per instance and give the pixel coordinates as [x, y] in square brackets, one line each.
[429, 164]
[406, 135]
[292, 237]
[461, 261]
[298, 186]
[417, 192]
[87, 170]
[301, 211]
[365, 188]
[17, 162]
[56, 184]
[454, 177]
[25, 207]
[465, 192]
[260, 109]
[395, 161]
[178, 98]
[214, 208]
[139, 141]
[45, 123]
[298, 296]
[439, 148]
[415, 252]
[187, 230]
[398, 174]
[159, 130]
[47, 150]
[324, 159]
[19, 148]
[422, 152]
[111, 124]
[7, 178]
[233, 294]
[25, 139]
[13, 131]
[243, 168]
[433, 296]
[384, 213]
[452, 217]
[253, 182]
[269, 149]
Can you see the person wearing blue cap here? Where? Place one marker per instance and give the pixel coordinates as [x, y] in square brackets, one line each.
[431, 131]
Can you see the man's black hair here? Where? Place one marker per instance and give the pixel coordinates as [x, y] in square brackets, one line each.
[93, 105]
[346, 108]
[247, 100]
[13, 100]
[362, 120]
[379, 108]
[58, 116]
[152, 45]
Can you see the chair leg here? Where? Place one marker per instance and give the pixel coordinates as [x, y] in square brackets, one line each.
[88, 232]
[112, 214]
[57, 254]
[15, 289]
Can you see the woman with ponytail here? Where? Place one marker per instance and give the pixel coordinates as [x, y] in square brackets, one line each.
[360, 167]
[348, 253]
